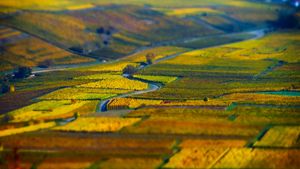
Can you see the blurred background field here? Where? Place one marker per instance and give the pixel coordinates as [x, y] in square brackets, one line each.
[149, 84]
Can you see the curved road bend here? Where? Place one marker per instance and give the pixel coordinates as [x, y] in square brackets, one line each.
[102, 106]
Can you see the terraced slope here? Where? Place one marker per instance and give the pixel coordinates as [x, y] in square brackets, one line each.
[21, 49]
[104, 31]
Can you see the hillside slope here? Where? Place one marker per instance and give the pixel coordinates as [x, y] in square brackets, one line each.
[21, 49]
[112, 29]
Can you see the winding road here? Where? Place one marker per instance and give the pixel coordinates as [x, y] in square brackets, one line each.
[102, 106]
[152, 86]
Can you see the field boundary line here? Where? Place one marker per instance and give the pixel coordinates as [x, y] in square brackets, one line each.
[175, 150]
[259, 136]
[219, 158]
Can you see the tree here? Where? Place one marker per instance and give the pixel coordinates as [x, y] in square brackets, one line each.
[106, 42]
[149, 58]
[100, 30]
[108, 32]
[129, 70]
[73, 101]
[7, 118]
[76, 115]
[5, 85]
[206, 99]
[4, 88]
[23, 72]
[76, 49]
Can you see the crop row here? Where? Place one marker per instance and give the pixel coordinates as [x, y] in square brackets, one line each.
[97, 124]
[200, 157]
[44, 110]
[117, 84]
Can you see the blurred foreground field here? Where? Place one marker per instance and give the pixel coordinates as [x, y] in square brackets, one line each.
[197, 84]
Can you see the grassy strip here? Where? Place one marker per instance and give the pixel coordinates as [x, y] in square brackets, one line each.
[175, 149]
[27, 129]
[219, 158]
[259, 136]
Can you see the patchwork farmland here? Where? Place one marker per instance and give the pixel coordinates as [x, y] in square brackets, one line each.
[149, 84]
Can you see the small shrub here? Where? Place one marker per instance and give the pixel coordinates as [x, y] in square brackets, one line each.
[4, 88]
[7, 118]
[100, 30]
[73, 101]
[76, 115]
[149, 58]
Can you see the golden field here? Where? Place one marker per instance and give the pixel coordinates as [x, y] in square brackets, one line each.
[280, 136]
[100, 124]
